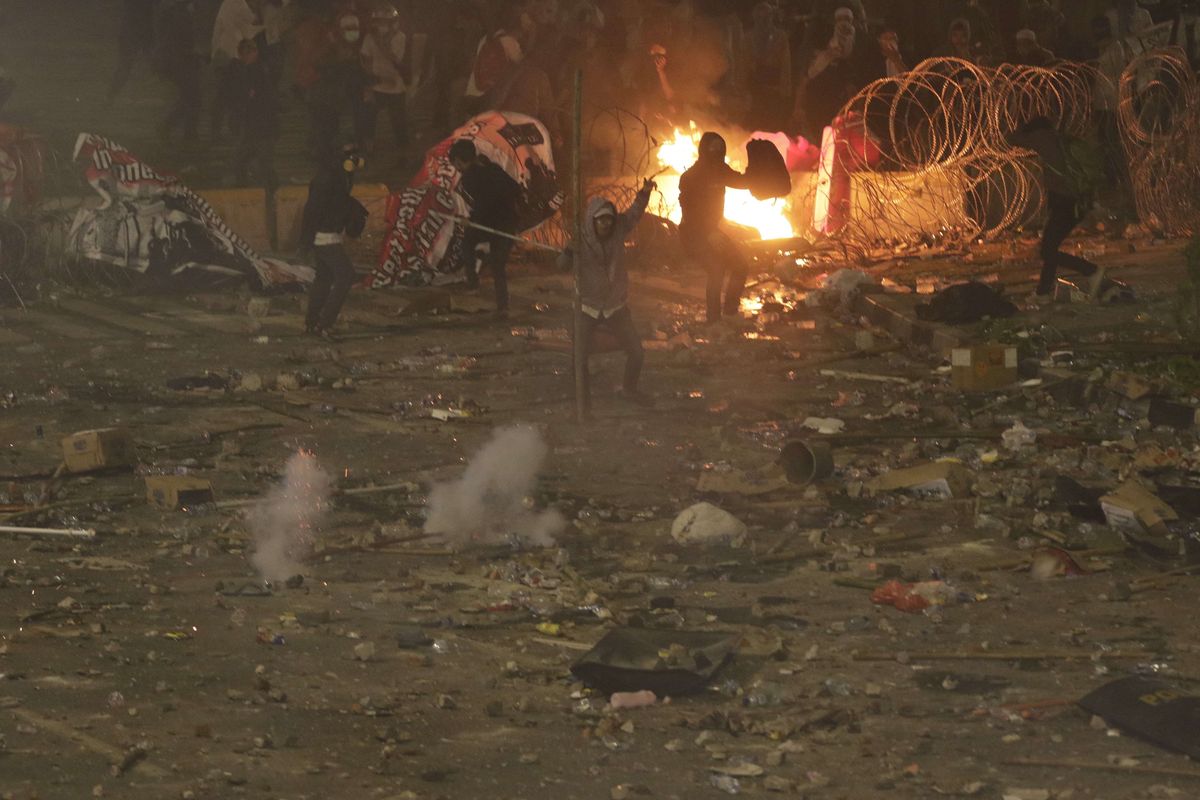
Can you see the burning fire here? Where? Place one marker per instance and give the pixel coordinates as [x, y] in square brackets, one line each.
[768, 217]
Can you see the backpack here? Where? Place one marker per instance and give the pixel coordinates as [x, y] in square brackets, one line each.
[491, 63]
[1086, 167]
[766, 172]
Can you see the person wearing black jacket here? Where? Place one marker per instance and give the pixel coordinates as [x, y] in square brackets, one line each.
[328, 213]
[702, 200]
[494, 197]
[1066, 206]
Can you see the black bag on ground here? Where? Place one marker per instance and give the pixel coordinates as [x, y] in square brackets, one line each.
[356, 219]
[964, 303]
[766, 170]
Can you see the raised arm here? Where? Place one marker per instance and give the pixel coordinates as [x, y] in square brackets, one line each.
[633, 215]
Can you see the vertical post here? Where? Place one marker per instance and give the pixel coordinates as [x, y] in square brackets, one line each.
[577, 230]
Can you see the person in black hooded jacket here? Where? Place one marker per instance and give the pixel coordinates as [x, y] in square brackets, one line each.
[327, 213]
[702, 200]
[494, 198]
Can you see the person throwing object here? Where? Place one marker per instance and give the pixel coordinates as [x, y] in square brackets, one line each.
[603, 287]
[702, 200]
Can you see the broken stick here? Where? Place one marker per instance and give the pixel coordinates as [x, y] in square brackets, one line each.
[864, 376]
[69, 533]
[115, 755]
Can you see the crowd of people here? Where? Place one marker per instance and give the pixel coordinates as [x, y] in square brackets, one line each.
[776, 65]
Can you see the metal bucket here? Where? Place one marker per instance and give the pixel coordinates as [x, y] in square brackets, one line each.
[806, 462]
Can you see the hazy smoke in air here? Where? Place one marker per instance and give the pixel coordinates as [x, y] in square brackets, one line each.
[286, 522]
[487, 505]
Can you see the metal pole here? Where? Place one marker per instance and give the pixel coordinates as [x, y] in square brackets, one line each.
[577, 195]
[493, 231]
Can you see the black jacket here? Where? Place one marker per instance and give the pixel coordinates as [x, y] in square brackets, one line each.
[702, 195]
[329, 203]
[493, 195]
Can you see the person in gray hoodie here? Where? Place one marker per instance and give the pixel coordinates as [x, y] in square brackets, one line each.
[603, 286]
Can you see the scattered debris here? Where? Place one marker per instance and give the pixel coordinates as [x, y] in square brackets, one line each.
[706, 524]
[667, 663]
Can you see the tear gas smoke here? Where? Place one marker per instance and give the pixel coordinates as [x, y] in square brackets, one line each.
[488, 504]
[286, 522]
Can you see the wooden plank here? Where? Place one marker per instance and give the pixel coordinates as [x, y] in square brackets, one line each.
[114, 754]
[240, 324]
[56, 325]
[119, 319]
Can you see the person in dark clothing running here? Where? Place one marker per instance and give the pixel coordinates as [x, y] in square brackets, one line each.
[1066, 204]
[702, 200]
[179, 63]
[327, 214]
[603, 286]
[494, 198]
[255, 111]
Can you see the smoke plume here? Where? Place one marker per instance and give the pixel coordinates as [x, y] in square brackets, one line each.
[488, 504]
[286, 522]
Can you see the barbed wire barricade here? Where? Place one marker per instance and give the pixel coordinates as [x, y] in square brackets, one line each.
[933, 165]
[1158, 99]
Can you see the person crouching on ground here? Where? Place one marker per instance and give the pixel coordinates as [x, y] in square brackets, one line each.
[603, 286]
[329, 214]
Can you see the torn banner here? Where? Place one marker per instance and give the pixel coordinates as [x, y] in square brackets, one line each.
[155, 225]
[423, 246]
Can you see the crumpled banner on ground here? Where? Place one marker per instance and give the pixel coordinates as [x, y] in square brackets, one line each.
[153, 224]
[423, 246]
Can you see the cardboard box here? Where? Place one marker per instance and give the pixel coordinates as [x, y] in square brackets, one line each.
[983, 368]
[177, 491]
[104, 448]
[944, 479]
[1134, 509]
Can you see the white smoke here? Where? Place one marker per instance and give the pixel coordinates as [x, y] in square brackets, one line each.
[488, 504]
[286, 522]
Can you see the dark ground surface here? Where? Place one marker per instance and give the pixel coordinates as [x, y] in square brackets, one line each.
[158, 635]
[864, 701]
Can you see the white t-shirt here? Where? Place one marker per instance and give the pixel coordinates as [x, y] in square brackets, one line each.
[275, 20]
[512, 50]
[235, 23]
[383, 59]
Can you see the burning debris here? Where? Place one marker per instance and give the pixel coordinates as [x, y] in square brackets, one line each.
[285, 524]
[490, 503]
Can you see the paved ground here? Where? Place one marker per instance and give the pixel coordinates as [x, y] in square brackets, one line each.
[157, 638]
[154, 662]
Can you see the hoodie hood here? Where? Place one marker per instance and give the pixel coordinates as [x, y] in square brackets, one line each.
[712, 148]
[598, 207]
